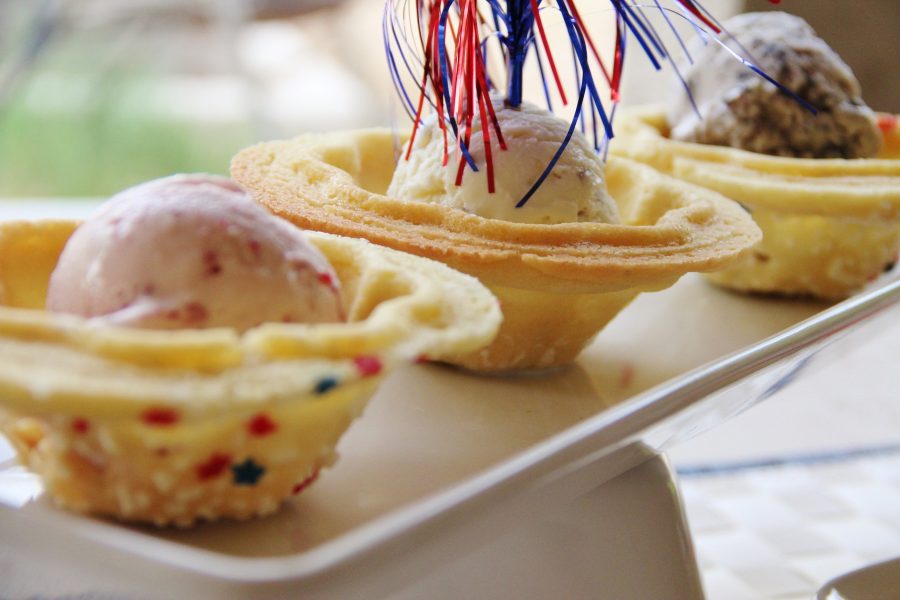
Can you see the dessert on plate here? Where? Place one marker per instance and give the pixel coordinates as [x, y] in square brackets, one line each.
[558, 284]
[817, 168]
[184, 355]
[505, 191]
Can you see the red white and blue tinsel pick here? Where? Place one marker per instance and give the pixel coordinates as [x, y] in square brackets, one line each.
[438, 55]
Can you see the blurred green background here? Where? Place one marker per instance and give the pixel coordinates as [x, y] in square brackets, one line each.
[76, 105]
[98, 95]
[100, 148]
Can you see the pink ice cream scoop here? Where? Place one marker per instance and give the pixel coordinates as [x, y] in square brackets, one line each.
[192, 251]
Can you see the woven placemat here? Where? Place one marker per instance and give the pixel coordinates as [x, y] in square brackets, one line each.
[782, 528]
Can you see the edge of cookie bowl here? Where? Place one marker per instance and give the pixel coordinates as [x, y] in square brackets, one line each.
[68, 364]
[858, 188]
[651, 119]
[675, 227]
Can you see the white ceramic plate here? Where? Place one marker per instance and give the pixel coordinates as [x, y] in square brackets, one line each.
[875, 582]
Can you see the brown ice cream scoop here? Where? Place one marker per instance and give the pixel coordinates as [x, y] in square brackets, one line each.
[739, 108]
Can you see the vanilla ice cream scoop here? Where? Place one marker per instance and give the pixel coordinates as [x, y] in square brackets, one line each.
[192, 251]
[574, 190]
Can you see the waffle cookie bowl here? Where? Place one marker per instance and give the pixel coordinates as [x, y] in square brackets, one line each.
[558, 284]
[829, 225]
[172, 427]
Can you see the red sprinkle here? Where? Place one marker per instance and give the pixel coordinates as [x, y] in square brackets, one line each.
[262, 424]
[422, 359]
[367, 365]
[195, 313]
[81, 425]
[626, 377]
[211, 262]
[255, 247]
[887, 123]
[325, 279]
[214, 466]
[305, 483]
[160, 417]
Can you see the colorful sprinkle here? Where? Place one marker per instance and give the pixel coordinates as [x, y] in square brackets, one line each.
[211, 263]
[326, 279]
[626, 377]
[326, 384]
[305, 483]
[81, 425]
[160, 417]
[195, 313]
[248, 472]
[367, 365]
[214, 466]
[887, 123]
[261, 425]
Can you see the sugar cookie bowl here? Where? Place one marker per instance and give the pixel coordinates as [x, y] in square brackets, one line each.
[180, 425]
[829, 225]
[798, 148]
[558, 284]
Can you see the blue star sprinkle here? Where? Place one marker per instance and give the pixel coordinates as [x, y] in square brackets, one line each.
[248, 472]
[325, 384]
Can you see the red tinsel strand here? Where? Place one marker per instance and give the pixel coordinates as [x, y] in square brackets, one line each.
[486, 134]
[426, 77]
[462, 92]
[587, 36]
[692, 8]
[547, 52]
[618, 59]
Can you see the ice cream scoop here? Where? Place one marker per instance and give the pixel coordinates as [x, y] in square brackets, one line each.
[738, 108]
[574, 190]
[192, 251]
